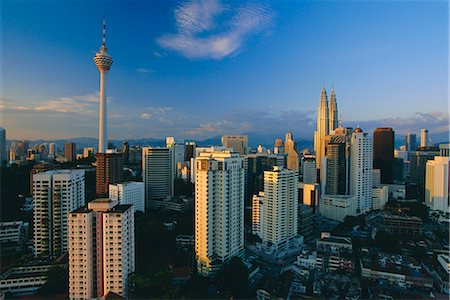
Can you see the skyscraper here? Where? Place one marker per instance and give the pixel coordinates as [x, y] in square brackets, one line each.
[219, 209]
[411, 143]
[290, 149]
[3, 156]
[52, 151]
[103, 62]
[335, 169]
[437, 184]
[101, 249]
[178, 150]
[157, 174]
[239, 143]
[309, 169]
[333, 112]
[70, 151]
[129, 193]
[322, 126]
[383, 153]
[280, 214]
[55, 194]
[109, 170]
[361, 153]
[126, 151]
[424, 137]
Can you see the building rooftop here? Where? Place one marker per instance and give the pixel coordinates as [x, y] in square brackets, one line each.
[121, 208]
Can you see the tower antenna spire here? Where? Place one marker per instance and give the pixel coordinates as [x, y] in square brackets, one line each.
[340, 120]
[104, 34]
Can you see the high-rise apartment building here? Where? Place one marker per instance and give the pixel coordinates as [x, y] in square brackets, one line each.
[437, 184]
[383, 153]
[70, 151]
[129, 193]
[417, 170]
[109, 170]
[280, 216]
[361, 152]
[157, 174]
[3, 157]
[55, 194]
[424, 142]
[101, 249]
[257, 213]
[239, 143]
[219, 209]
[255, 165]
[290, 148]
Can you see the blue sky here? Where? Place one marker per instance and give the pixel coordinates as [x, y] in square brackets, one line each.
[197, 69]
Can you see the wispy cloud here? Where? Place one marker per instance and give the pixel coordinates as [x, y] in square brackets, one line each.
[144, 70]
[207, 29]
[153, 112]
[84, 104]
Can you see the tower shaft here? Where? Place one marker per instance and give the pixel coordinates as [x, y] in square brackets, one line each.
[102, 126]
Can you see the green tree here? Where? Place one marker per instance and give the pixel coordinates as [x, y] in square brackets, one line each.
[233, 278]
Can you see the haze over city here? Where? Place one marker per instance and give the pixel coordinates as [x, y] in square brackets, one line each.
[199, 69]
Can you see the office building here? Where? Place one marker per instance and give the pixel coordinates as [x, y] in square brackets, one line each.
[70, 151]
[189, 151]
[424, 142]
[52, 150]
[323, 126]
[88, 151]
[380, 196]
[337, 207]
[306, 223]
[55, 194]
[280, 215]
[128, 193]
[126, 151]
[417, 170]
[309, 169]
[178, 153]
[3, 156]
[411, 143]
[383, 153]
[109, 170]
[101, 249]
[290, 148]
[361, 169]
[239, 143]
[437, 184]
[157, 174]
[13, 231]
[444, 150]
[309, 195]
[219, 209]
[335, 179]
[402, 225]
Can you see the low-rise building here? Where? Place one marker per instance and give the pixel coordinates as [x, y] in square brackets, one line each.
[13, 231]
[334, 253]
[337, 207]
[402, 224]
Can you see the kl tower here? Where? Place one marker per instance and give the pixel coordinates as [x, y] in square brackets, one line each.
[103, 62]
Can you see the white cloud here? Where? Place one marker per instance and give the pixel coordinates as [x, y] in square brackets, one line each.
[145, 116]
[208, 29]
[144, 70]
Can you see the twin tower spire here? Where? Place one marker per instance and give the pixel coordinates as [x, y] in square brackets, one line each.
[327, 121]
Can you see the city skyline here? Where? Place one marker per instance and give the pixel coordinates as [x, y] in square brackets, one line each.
[262, 71]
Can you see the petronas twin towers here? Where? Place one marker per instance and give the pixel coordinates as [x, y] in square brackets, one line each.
[327, 121]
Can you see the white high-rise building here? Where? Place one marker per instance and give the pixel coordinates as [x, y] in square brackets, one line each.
[280, 216]
[129, 193]
[257, 213]
[55, 194]
[157, 174]
[219, 209]
[3, 156]
[424, 137]
[101, 249]
[380, 196]
[437, 176]
[361, 165]
[178, 151]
